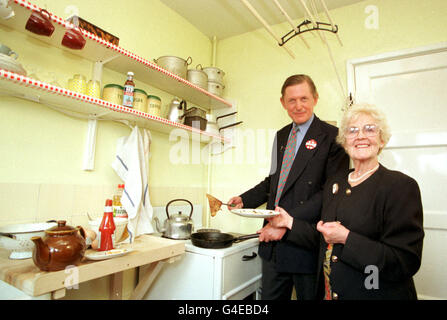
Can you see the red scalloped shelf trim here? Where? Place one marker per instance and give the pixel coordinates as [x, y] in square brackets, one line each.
[30, 6]
[29, 82]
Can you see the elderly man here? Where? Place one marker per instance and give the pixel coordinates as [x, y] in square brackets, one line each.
[304, 155]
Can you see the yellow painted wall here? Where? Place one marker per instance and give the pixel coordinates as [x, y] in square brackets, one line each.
[41, 149]
[256, 67]
[40, 166]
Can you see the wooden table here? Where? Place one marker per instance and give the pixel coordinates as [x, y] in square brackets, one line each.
[147, 250]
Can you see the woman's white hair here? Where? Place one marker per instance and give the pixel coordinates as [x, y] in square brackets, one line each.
[364, 109]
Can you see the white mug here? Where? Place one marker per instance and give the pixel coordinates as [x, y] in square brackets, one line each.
[5, 11]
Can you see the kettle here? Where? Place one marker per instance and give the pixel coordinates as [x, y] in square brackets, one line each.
[175, 111]
[178, 110]
[176, 226]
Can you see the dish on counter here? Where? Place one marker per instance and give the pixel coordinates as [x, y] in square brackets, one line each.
[255, 213]
[103, 255]
[10, 64]
[17, 238]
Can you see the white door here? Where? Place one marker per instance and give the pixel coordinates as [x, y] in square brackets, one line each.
[410, 86]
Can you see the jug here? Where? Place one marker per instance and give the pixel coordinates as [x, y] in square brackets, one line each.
[175, 110]
[178, 110]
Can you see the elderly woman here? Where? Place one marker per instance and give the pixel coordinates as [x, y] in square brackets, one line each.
[371, 231]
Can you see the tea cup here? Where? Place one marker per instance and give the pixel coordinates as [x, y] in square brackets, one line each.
[39, 22]
[73, 39]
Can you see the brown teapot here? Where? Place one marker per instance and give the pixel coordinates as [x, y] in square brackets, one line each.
[61, 246]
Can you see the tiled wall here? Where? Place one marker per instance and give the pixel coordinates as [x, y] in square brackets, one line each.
[27, 203]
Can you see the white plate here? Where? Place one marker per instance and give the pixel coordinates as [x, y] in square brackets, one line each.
[255, 213]
[103, 255]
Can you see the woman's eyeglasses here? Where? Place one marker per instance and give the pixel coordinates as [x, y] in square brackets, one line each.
[369, 130]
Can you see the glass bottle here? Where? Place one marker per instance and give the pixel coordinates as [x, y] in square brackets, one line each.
[129, 87]
[118, 209]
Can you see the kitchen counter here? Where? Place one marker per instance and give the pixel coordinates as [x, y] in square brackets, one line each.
[147, 250]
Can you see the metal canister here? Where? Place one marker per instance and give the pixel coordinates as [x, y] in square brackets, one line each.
[154, 105]
[140, 100]
[113, 93]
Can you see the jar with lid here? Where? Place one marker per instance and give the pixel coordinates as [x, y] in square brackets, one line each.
[78, 83]
[153, 105]
[140, 100]
[113, 93]
[93, 89]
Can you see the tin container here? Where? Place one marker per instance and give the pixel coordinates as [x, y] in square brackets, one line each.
[154, 105]
[113, 93]
[140, 100]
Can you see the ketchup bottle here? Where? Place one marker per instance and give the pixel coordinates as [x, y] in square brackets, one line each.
[106, 228]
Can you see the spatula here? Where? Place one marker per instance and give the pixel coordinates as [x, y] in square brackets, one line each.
[216, 204]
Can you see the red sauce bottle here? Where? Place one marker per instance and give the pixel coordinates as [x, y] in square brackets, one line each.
[106, 228]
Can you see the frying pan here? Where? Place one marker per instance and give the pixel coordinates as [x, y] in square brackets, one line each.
[217, 240]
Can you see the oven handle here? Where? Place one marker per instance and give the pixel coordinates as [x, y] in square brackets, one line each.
[247, 258]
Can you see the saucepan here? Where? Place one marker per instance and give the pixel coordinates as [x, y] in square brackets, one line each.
[174, 64]
[217, 240]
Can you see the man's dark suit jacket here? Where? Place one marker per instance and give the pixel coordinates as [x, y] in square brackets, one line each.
[302, 193]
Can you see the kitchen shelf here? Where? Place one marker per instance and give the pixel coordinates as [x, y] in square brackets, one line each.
[93, 108]
[117, 59]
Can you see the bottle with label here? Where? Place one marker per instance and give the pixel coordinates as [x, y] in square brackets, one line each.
[106, 228]
[118, 209]
[129, 87]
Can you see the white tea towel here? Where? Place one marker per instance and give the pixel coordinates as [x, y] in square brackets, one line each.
[132, 166]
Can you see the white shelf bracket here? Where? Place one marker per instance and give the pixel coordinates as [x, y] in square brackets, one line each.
[97, 72]
[98, 67]
[88, 163]
[108, 60]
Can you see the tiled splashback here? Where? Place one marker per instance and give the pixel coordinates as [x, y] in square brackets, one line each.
[26, 203]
